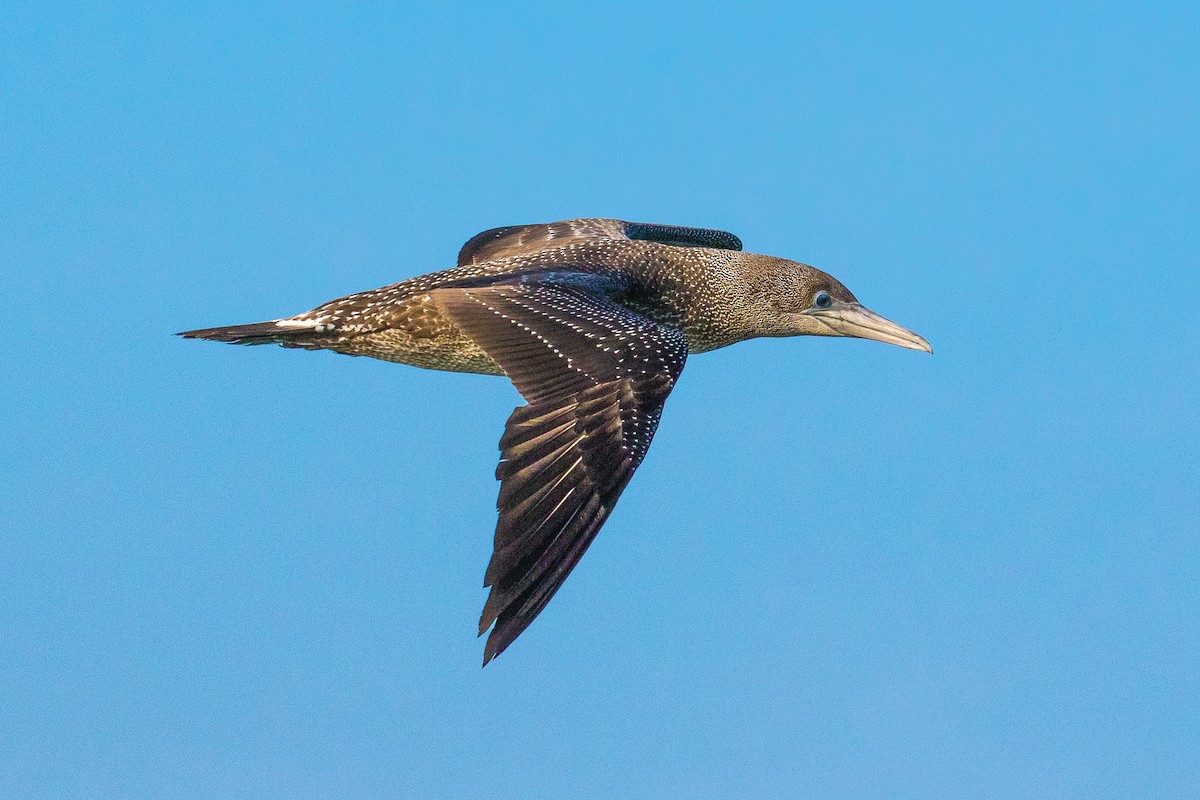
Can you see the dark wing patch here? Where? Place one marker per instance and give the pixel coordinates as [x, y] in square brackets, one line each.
[596, 376]
[682, 236]
[519, 240]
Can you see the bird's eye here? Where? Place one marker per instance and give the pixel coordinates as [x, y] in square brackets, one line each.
[822, 300]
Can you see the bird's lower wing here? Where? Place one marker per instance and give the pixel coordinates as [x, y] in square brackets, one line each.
[595, 376]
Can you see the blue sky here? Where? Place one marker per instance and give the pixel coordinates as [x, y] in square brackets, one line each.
[845, 570]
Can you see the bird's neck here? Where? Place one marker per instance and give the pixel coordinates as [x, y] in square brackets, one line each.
[701, 291]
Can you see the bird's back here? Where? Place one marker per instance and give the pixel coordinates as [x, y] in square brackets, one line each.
[405, 322]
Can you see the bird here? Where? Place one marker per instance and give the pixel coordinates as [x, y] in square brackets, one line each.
[592, 320]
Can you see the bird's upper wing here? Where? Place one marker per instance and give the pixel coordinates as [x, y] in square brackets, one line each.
[518, 240]
[595, 376]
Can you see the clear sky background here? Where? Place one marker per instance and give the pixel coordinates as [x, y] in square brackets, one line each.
[846, 570]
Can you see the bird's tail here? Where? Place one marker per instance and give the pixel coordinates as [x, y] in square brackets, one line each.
[285, 332]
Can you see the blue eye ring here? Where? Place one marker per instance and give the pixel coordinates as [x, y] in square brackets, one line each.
[822, 300]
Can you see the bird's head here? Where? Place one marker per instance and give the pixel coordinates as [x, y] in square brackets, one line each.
[804, 301]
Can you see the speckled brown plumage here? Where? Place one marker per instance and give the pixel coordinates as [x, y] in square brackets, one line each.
[592, 320]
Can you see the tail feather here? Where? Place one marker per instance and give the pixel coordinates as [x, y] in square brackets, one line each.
[271, 332]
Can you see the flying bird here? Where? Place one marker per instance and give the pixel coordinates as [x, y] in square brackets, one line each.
[592, 320]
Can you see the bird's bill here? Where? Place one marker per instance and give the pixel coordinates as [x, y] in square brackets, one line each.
[852, 319]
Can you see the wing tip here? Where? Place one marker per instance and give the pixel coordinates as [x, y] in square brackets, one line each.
[488, 656]
[494, 645]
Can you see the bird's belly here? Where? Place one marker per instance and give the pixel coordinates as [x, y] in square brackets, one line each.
[460, 355]
[416, 332]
